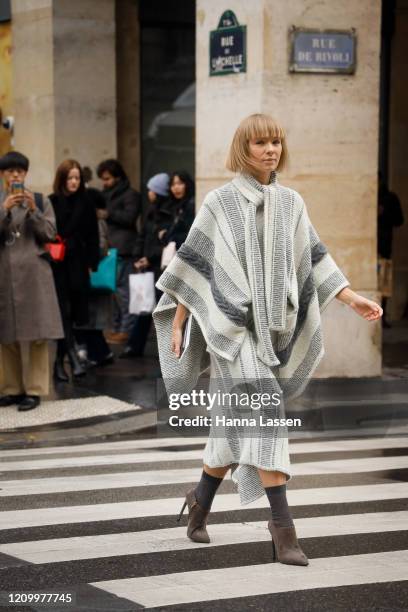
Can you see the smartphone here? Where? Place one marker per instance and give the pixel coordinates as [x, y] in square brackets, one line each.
[17, 188]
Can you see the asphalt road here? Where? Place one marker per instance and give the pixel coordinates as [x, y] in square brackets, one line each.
[80, 520]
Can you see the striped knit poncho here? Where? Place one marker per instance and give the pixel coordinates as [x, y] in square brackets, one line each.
[227, 280]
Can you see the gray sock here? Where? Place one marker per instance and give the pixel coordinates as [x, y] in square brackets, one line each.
[206, 489]
[281, 515]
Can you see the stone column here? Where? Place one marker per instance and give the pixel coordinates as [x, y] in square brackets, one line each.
[64, 83]
[128, 87]
[332, 131]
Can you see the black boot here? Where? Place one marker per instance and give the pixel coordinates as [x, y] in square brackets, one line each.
[76, 367]
[60, 373]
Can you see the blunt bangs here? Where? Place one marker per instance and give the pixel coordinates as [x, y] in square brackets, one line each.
[257, 126]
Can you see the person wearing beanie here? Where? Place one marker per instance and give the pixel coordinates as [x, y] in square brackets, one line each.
[159, 214]
[158, 185]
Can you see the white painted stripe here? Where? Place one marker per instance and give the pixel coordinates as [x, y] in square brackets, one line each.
[161, 540]
[106, 446]
[250, 580]
[95, 460]
[18, 519]
[328, 445]
[168, 476]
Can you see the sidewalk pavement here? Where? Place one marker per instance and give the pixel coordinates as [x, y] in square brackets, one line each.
[120, 400]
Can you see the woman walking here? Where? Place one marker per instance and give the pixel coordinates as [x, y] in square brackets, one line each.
[78, 227]
[255, 277]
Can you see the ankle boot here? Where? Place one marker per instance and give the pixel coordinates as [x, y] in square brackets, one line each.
[76, 367]
[60, 373]
[285, 546]
[197, 519]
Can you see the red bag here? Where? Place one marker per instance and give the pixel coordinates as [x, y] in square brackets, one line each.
[56, 249]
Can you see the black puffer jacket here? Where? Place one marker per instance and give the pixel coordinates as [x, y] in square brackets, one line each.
[124, 206]
[158, 215]
[184, 216]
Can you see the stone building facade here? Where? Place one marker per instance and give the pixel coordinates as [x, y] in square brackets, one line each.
[130, 78]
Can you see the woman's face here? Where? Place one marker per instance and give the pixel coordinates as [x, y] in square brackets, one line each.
[73, 180]
[178, 188]
[265, 152]
[152, 196]
[13, 175]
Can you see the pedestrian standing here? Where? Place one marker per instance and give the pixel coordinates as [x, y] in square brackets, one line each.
[123, 209]
[183, 204]
[389, 216]
[29, 311]
[95, 351]
[159, 214]
[78, 228]
[255, 276]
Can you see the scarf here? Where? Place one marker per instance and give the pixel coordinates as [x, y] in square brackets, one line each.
[270, 279]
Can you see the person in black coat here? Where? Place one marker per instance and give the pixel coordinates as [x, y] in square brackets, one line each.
[159, 214]
[123, 209]
[389, 216]
[78, 227]
[182, 206]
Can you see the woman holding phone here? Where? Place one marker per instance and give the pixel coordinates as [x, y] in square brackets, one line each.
[255, 276]
[29, 309]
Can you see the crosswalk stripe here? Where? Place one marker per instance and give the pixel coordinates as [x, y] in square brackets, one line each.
[172, 539]
[68, 462]
[145, 443]
[249, 580]
[37, 486]
[18, 519]
[156, 444]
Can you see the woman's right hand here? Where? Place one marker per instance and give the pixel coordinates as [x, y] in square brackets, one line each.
[176, 339]
[13, 200]
[141, 264]
[177, 330]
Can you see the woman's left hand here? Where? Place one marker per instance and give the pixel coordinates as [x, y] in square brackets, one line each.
[368, 309]
[29, 198]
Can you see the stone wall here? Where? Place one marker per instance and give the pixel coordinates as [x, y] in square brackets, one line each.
[64, 83]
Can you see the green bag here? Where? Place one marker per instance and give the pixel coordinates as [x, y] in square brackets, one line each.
[104, 279]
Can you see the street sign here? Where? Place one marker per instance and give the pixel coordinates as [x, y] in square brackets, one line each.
[331, 51]
[228, 46]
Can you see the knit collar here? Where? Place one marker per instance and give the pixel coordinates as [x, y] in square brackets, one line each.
[259, 186]
[252, 189]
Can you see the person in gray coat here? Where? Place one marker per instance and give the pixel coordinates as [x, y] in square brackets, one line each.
[29, 310]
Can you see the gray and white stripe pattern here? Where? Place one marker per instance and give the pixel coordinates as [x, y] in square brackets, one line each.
[256, 303]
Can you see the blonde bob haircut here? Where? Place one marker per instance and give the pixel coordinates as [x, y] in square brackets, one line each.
[254, 126]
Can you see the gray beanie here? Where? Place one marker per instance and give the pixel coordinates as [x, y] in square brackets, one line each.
[159, 183]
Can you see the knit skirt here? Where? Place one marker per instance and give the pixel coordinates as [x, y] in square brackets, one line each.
[244, 432]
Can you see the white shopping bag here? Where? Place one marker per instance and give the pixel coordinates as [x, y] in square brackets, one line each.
[168, 253]
[142, 293]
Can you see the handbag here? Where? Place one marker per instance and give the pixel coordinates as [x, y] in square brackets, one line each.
[142, 293]
[104, 279]
[56, 249]
[168, 253]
